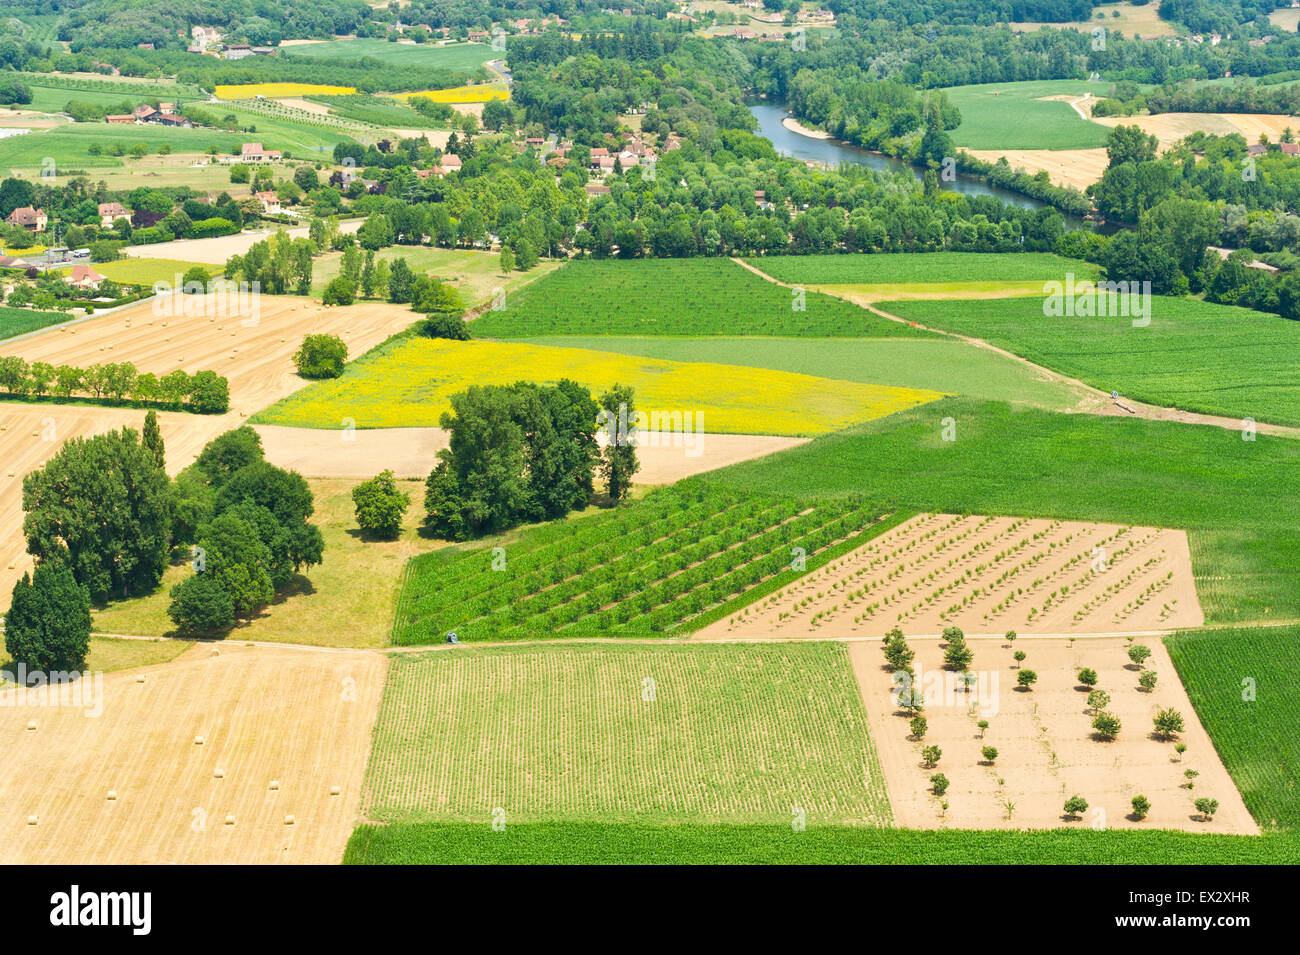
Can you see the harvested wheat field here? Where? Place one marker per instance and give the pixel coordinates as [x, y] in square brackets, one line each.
[987, 575]
[412, 452]
[281, 729]
[1071, 168]
[218, 249]
[251, 342]
[1168, 128]
[1046, 749]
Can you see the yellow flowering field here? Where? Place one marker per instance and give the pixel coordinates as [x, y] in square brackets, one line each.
[408, 383]
[281, 90]
[482, 93]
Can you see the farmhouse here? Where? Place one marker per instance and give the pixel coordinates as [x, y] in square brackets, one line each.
[110, 212]
[270, 202]
[253, 152]
[119, 119]
[33, 220]
[84, 277]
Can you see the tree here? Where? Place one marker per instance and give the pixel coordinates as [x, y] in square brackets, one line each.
[939, 784]
[1141, 806]
[240, 563]
[930, 756]
[321, 356]
[1076, 806]
[47, 626]
[1087, 677]
[201, 604]
[1139, 653]
[507, 260]
[1106, 725]
[918, 725]
[619, 461]
[380, 505]
[983, 727]
[1168, 723]
[101, 508]
[446, 325]
[1129, 144]
[956, 656]
[1026, 678]
[340, 291]
[1019, 657]
[897, 653]
[209, 393]
[990, 754]
[228, 453]
[151, 438]
[1207, 808]
[400, 281]
[1147, 680]
[1098, 700]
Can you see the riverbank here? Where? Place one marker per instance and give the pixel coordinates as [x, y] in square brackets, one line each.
[795, 126]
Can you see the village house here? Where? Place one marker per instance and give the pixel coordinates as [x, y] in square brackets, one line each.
[110, 212]
[119, 119]
[253, 152]
[33, 220]
[270, 202]
[450, 162]
[84, 277]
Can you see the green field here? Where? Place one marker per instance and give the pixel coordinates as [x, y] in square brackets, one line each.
[648, 567]
[904, 267]
[939, 364]
[675, 297]
[647, 733]
[1017, 116]
[1236, 497]
[1256, 737]
[1193, 355]
[590, 843]
[456, 56]
[20, 321]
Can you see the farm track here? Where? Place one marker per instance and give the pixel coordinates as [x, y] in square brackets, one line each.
[1097, 401]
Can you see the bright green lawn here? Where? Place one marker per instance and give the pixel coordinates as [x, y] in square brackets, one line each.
[1193, 355]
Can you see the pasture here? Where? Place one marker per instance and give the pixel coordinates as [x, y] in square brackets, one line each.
[1243, 684]
[410, 380]
[476, 275]
[1035, 114]
[676, 297]
[641, 733]
[650, 567]
[1193, 355]
[451, 56]
[932, 267]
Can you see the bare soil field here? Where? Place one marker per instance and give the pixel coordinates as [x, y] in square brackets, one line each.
[281, 728]
[216, 251]
[1046, 751]
[1168, 128]
[1074, 168]
[412, 452]
[987, 575]
[1143, 21]
[257, 360]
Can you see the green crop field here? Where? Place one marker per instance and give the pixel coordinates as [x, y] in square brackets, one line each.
[939, 364]
[1236, 497]
[378, 110]
[1245, 685]
[675, 297]
[593, 843]
[20, 321]
[1193, 355]
[455, 56]
[645, 568]
[652, 733]
[903, 267]
[1020, 116]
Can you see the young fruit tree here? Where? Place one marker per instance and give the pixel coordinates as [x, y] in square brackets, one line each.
[1106, 725]
[1168, 723]
[1139, 653]
[1141, 806]
[930, 756]
[1076, 806]
[939, 784]
[990, 754]
[1207, 808]
[1026, 678]
[1087, 677]
[918, 727]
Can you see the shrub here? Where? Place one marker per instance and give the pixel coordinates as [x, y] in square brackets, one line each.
[1087, 677]
[380, 506]
[446, 325]
[931, 755]
[939, 784]
[47, 627]
[990, 754]
[918, 726]
[1141, 806]
[1147, 680]
[1026, 678]
[1076, 806]
[340, 291]
[321, 356]
[1107, 725]
[1139, 653]
[1207, 808]
[1168, 723]
[200, 604]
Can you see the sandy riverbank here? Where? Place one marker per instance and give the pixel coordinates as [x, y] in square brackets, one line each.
[795, 126]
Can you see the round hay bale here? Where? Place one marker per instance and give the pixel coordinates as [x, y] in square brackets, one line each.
[336, 790]
[112, 794]
[31, 820]
[139, 678]
[218, 774]
[275, 785]
[31, 724]
[198, 741]
[230, 819]
[288, 820]
[215, 652]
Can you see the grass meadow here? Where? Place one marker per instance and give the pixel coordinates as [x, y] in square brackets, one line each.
[1193, 355]
[454, 56]
[1020, 116]
[690, 297]
[651, 733]
[408, 382]
[908, 267]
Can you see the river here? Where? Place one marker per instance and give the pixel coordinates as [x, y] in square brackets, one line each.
[834, 151]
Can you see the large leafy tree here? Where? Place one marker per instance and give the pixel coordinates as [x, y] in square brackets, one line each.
[619, 461]
[47, 626]
[102, 508]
